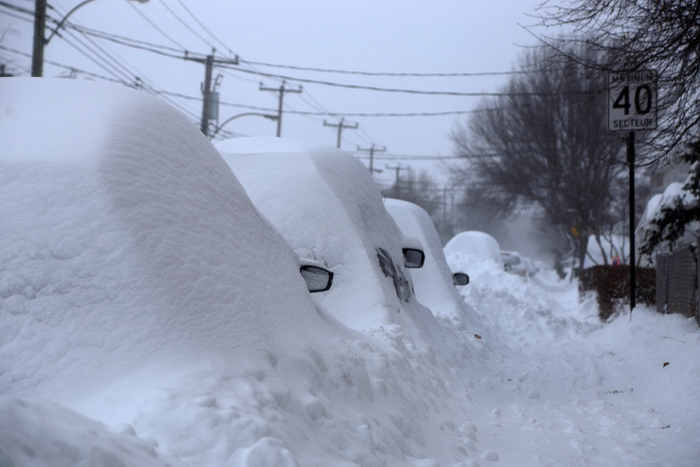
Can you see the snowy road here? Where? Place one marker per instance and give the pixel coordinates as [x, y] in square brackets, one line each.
[566, 390]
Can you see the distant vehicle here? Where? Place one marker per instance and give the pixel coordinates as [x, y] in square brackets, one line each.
[514, 263]
[329, 209]
[473, 245]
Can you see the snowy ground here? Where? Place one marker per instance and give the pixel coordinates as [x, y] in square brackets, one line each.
[555, 388]
[150, 316]
[564, 389]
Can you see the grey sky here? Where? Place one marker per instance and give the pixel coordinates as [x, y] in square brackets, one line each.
[365, 35]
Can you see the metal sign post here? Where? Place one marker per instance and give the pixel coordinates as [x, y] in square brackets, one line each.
[632, 106]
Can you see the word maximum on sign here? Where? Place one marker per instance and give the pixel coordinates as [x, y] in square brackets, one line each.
[632, 101]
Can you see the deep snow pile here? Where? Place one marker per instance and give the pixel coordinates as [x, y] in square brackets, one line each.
[141, 288]
[150, 316]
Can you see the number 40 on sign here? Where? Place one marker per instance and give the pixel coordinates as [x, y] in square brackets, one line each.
[632, 101]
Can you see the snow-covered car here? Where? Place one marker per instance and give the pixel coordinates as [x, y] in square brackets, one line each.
[129, 247]
[475, 246]
[435, 282]
[328, 207]
[513, 263]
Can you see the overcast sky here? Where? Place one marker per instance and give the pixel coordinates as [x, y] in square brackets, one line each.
[377, 36]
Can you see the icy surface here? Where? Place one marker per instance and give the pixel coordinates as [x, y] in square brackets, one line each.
[149, 316]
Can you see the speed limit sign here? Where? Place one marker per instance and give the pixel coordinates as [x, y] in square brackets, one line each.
[632, 101]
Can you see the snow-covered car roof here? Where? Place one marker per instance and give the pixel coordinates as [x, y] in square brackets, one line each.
[127, 239]
[327, 206]
[433, 282]
[479, 246]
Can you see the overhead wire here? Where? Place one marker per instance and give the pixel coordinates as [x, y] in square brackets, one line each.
[140, 82]
[340, 114]
[186, 25]
[388, 74]
[114, 73]
[143, 15]
[117, 65]
[204, 27]
[334, 84]
[389, 90]
[120, 71]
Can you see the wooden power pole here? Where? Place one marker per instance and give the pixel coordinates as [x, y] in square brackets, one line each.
[340, 125]
[280, 90]
[372, 150]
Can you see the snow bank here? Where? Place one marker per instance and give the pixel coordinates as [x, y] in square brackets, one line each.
[140, 286]
[36, 433]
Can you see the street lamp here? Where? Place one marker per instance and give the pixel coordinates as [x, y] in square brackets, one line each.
[39, 28]
[270, 117]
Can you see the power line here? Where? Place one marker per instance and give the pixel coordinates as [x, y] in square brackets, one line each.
[119, 39]
[392, 90]
[149, 89]
[344, 85]
[137, 10]
[204, 27]
[338, 114]
[368, 73]
[116, 63]
[185, 24]
[115, 73]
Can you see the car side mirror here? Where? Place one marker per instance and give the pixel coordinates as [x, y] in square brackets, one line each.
[413, 258]
[317, 279]
[460, 279]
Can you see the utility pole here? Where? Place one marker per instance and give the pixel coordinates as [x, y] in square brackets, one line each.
[206, 90]
[209, 61]
[372, 150]
[39, 28]
[38, 48]
[280, 90]
[398, 169]
[340, 127]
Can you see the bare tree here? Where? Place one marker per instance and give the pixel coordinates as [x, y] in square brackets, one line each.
[543, 142]
[421, 190]
[644, 34]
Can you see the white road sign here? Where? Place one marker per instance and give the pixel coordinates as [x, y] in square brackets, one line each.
[632, 101]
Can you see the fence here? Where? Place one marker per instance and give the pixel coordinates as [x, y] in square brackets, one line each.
[677, 282]
[612, 287]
